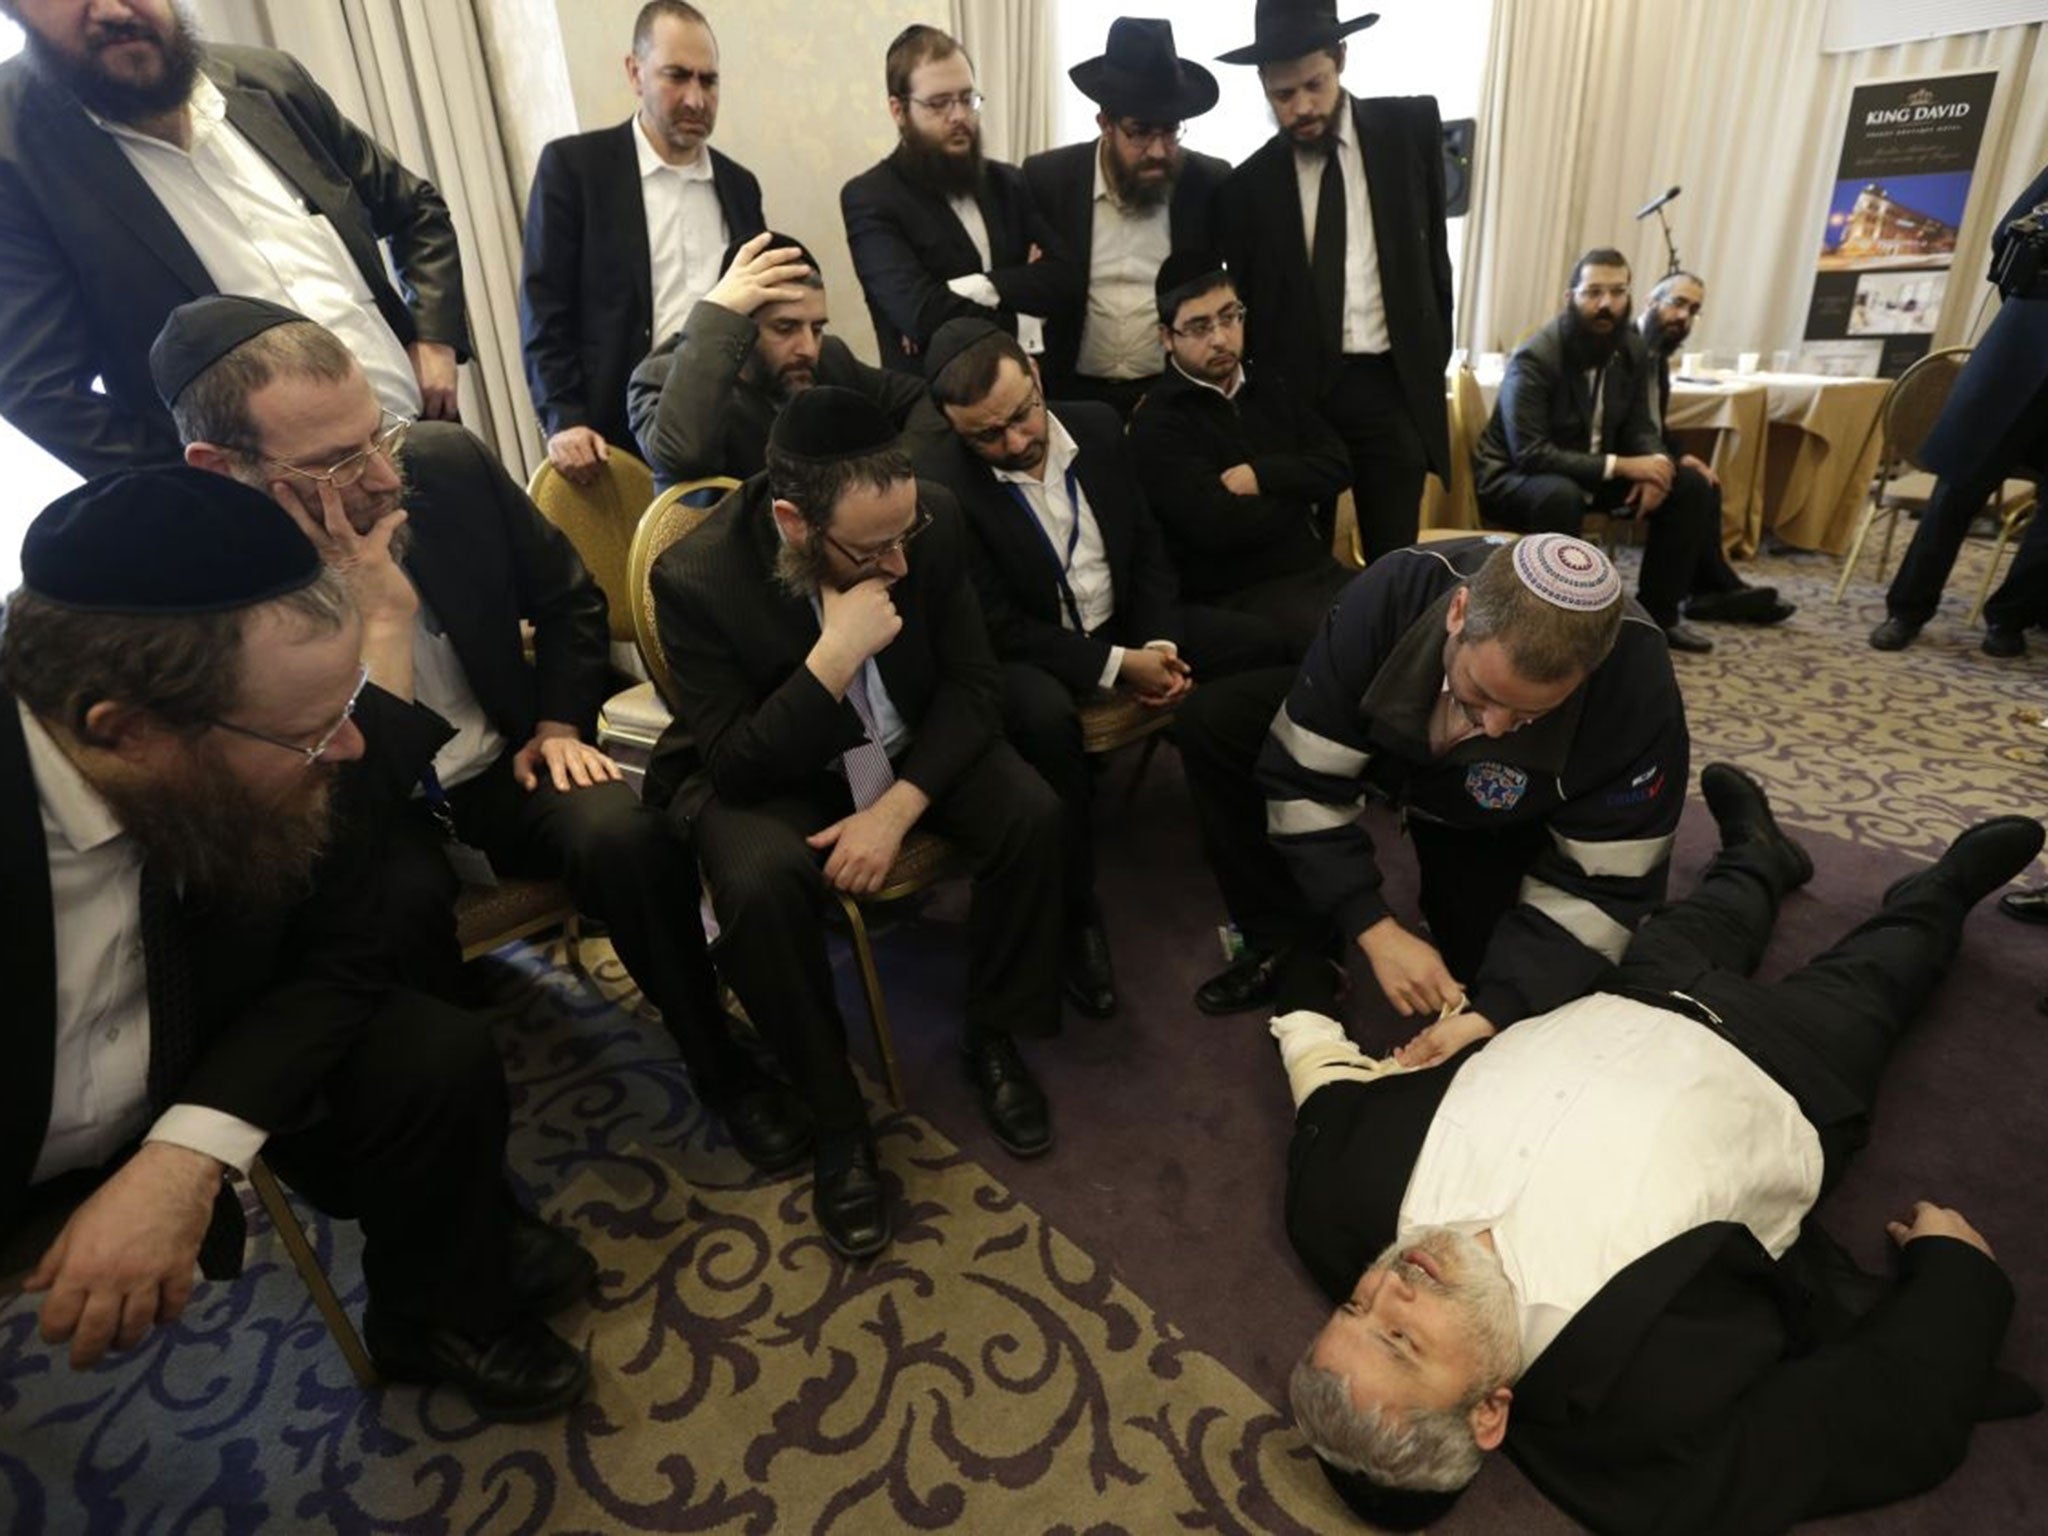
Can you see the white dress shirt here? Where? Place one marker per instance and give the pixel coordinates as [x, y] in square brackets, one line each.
[439, 682]
[256, 236]
[1365, 307]
[979, 287]
[1127, 246]
[99, 1090]
[1088, 574]
[686, 233]
[1593, 1134]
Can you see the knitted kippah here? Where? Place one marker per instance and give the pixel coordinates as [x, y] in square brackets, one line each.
[1566, 572]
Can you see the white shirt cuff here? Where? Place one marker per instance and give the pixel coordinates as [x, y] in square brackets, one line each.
[1315, 1051]
[976, 288]
[219, 1136]
[1608, 472]
[1116, 665]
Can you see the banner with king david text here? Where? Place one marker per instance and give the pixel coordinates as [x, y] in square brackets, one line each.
[1909, 154]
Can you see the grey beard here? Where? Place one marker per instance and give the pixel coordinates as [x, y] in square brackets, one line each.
[799, 570]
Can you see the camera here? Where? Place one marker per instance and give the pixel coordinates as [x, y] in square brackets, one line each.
[2019, 265]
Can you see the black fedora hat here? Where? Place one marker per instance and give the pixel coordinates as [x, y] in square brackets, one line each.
[1293, 29]
[1139, 75]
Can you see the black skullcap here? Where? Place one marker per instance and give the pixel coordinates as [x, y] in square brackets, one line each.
[953, 338]
[775, 243]
[201, 333]
[166, 540]
[825, 422]
[1389, 1509]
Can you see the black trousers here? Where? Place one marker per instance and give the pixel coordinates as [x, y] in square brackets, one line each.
[1041, 716]
[769, 894]
[2022, 598]
[1825, 1032]
[1295, 604]
[627, 865]
[1388, 460]
[1681, 550]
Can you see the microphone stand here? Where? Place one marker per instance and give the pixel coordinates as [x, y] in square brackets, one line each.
[1670, 246]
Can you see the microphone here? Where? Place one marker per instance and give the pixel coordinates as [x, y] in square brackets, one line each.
[1655, 203]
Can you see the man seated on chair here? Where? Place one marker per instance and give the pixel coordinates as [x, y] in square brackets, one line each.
[260, 394]
[1076, 585]
[1572, 434]
[1717, 594]
[1521, 717]
[1234, 463]
[834, 691]
[1589, 1238]
[702, 402]
[191, 979]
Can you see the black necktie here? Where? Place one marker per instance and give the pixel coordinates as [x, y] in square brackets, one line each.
[174, 1046]
[1326, 261]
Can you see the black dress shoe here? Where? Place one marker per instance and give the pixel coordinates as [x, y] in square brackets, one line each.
[550, 1269]
[848, 1200]
[1979, 861]
[1249, 983]
[769, 1126]
[2027, 906]
[1683, 637]
[524, 1372]
[2003, 642]
[1090, 982]
[1011, 1100]
[1894, 634]
[1745, 605]
[1742, 811]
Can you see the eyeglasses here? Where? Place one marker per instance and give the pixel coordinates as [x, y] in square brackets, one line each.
[988, 437]
[391, 430]
[1231, 315]
[318, 750]
[943, 106]
[1142, 134]
[867, 560]
[1615, 291]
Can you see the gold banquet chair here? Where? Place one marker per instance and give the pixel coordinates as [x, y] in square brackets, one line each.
[925, 857]
[1910, 408]
[2012, 522]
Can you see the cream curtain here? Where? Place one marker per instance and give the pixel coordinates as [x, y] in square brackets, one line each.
[1590, 110]
[1011, 43]
[411, 74]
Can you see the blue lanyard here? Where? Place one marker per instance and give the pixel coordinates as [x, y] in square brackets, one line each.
[1061, 567]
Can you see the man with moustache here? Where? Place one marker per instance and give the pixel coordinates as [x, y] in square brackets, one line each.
[1715, 592]
[264, 396]
[1235, 465]
[191, 982]
[835, 692]
[702, 402]
[1334, 231]
[1679, 1348]
[626, 228]
[1126, 200]
[140, 169]
[1572, 433]
[936, 231]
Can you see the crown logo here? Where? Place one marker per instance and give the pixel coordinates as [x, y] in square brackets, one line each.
[1921, 98]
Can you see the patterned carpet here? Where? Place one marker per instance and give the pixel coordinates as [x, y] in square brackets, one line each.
[987, 1374]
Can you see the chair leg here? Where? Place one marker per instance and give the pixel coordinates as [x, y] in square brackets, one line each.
[286, 1222]
[2008, 525]
[1870, 514]
[871, 984]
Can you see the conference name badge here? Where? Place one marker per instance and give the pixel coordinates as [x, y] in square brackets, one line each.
[1495, 786]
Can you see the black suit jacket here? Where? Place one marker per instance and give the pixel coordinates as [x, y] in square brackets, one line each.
[484, 559]
[91, 264]
[1258, 218]
[1062, 183]
[906, 243]
[752, 720]
[586, 294]
[1014, 567]
[1542, 424]
[1704, 1389]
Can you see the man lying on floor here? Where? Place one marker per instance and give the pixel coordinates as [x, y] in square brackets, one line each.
[1587, 1238]
[189, 981]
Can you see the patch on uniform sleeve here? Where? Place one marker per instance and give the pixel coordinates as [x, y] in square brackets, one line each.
[1495, 786]
[1644, 787]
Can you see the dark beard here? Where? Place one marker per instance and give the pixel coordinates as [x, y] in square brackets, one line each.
[228, 844]
[1133, 193]
[1585, 347]
[1326, 142]
[117, 100]
[935, 170]
[1662, 343]
[800, 568]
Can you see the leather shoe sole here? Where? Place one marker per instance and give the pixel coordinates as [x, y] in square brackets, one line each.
[1250, 983]
[526, 1372]
[1683, 637]
[2026, 906]
[1742, 812]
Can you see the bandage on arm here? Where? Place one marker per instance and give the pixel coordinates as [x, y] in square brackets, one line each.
[1315, 1051]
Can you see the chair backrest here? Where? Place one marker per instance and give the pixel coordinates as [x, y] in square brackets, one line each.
[599, 519]
[676, 513]
[1468, 420]
[1913, 404]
